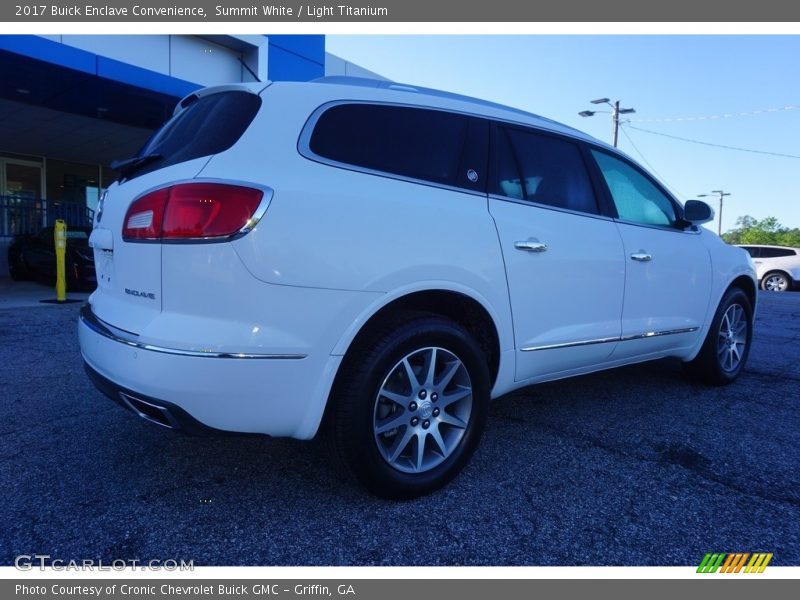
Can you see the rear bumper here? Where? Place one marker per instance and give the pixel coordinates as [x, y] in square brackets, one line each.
[157, 411]
[274, 394]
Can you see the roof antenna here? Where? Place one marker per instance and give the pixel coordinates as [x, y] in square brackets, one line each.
[249, 70]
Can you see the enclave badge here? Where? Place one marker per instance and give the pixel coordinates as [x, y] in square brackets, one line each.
[149, 295]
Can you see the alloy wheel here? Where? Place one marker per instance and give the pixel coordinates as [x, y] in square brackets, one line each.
[775, 283]
[732, 338]
[422, 410]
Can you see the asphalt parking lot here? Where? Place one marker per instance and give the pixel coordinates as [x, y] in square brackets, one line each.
[635, 466]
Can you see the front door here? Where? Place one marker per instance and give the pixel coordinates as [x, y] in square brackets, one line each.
[668, 268]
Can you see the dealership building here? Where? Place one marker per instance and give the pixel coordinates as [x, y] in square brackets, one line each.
[72, 104]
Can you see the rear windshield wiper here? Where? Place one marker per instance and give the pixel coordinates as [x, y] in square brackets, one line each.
[128, 166]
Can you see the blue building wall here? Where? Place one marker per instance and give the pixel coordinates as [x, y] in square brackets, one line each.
[291, 58]
[296, 57]
[55, 75]
[54, 55]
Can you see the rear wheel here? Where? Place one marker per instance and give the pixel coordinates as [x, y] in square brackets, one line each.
[727, 345]
[775, 282]
[411, 407]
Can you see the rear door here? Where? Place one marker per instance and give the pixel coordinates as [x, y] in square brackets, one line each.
[564, 259]
[774, 258]
[129, 272]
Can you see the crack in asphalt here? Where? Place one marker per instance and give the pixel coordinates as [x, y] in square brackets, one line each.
[669, 455]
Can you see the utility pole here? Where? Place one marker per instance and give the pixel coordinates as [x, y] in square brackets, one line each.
[721, 195]
[616, 111]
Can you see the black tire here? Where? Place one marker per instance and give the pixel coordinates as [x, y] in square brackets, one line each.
[776, 281]
[714, 363]
[17, 269]
[357, 402]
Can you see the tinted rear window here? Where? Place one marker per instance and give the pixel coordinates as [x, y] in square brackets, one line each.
[753, 252]
[542, 169]
[776, 252]
[210, 125]
[430, 145]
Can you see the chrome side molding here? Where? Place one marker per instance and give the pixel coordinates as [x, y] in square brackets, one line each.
[624, 338]
[650, 334]
[571, 344]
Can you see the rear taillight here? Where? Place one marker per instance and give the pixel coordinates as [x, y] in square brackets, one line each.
[191, 210]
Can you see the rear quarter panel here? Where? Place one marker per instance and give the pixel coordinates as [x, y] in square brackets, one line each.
[329, 227]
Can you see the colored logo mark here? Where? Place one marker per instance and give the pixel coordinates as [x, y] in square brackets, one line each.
[734, 562]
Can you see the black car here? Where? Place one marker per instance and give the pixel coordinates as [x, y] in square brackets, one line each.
[34, 257]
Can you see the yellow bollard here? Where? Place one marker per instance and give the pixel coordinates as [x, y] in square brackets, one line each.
[60, 235]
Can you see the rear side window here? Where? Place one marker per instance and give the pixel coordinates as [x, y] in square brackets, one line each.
[752, 251]
[210, 125]
[776, 252]
[542, 169]
[430, 145]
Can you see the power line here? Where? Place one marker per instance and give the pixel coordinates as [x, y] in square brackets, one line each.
[748, 113]
[647, 162]
[683, 139]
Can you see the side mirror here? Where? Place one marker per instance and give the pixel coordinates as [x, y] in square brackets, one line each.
[697, 212]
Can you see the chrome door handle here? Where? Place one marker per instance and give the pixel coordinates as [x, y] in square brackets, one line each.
[641, 256]
[531, 246]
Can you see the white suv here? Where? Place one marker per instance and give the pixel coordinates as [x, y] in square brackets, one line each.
[777, 267]
[382, 260]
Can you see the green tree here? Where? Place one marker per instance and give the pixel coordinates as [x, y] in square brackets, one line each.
[749, 230]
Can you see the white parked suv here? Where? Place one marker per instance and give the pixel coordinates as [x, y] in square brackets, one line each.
[777, 267]
[377, 261]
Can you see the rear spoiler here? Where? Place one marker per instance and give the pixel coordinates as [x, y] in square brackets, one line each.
[189, 99]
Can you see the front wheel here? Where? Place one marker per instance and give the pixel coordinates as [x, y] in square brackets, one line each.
[727, 345]
[775, 282]
[411, 406]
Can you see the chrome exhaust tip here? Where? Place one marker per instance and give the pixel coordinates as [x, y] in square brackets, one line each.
[149, 411]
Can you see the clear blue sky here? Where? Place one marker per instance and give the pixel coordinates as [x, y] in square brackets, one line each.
[660, 76]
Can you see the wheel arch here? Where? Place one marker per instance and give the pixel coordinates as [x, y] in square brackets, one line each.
[742, 280]
[355, 442]
[748, 286]
[704, 363]
[455, 305]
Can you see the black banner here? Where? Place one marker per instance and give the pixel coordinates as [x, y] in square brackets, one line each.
[731, 588]
[394, 11]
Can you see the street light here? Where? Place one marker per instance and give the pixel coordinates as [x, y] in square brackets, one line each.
[721, 195]
[616, 111]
